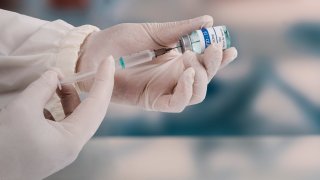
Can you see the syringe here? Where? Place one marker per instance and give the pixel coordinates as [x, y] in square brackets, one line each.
[123, 62]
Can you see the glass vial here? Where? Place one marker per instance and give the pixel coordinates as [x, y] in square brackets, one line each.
[199, 40]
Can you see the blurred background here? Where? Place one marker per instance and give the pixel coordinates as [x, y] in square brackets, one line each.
[261, 116]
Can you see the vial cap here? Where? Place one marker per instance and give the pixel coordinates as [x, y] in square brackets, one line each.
[185, 43]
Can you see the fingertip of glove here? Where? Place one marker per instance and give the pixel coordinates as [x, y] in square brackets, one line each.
[214, 51]
[233, 52]
[206, 20]
[215, 47]
[109, 60]
[50, 75]
[58, 71]
[108, 64]
[47, 79]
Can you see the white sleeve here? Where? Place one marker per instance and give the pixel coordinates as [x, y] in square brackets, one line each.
[30, 46]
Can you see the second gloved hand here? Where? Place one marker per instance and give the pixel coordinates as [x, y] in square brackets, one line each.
[32, 146]
[169, 83]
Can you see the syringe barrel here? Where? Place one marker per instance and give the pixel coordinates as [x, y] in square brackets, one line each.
[121, 63]
[135, 59]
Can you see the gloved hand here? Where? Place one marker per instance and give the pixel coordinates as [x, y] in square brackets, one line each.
[169, 83]
[33, 147]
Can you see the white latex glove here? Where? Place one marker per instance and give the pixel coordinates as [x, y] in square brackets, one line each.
[32, 147]
[171, 82]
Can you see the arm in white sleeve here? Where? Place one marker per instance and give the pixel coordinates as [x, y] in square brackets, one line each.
[30, 46]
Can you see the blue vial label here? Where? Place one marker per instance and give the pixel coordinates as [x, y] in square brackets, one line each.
[206, 37]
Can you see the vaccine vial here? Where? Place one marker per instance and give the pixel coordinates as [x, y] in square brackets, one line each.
[199, 40]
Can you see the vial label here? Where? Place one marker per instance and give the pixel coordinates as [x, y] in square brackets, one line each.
[208, 36]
